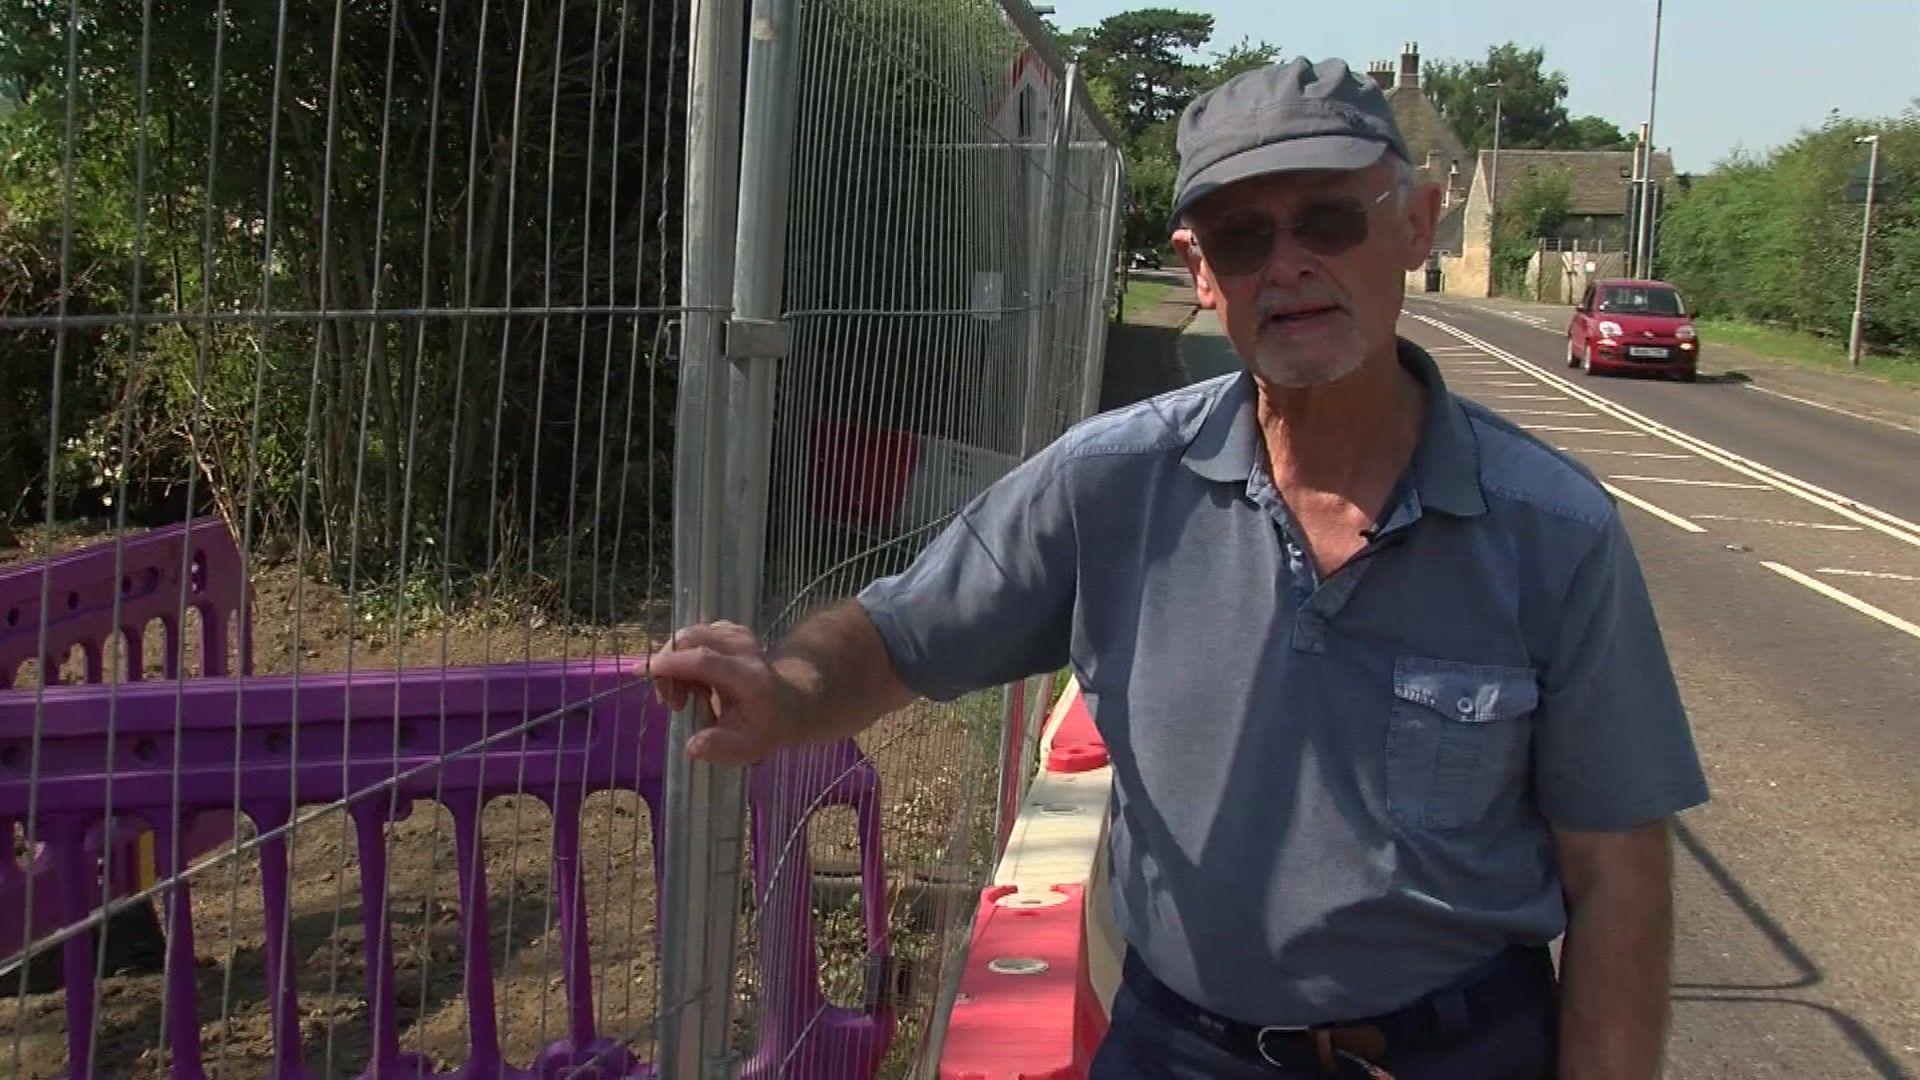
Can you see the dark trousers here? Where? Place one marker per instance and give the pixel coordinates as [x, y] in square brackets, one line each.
[1519, 1043]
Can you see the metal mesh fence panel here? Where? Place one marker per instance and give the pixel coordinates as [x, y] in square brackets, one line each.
[341, 342]
[380, 390]
[950, 208]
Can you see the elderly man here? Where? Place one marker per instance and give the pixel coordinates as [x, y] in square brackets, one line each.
[1385, 699]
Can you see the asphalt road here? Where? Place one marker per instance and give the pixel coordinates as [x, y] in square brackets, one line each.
[1779, 545]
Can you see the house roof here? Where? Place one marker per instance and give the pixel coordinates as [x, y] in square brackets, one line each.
[1426, 131]
[1598, 180]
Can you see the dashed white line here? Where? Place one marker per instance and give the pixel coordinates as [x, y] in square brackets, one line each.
[1776, 521]
[1655, 454]
[1586, 431]
[1508, 383]
[1526, 397]
[1851, 601]
[1544, 412]
[1880, 574]
[1667, 516]
[1735, 484]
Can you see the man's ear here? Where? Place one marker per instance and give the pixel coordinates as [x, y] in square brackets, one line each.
[1188, 249]
[1423, 217]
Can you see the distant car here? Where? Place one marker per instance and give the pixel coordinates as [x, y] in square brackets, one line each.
[1624, 324]
[1144, 259]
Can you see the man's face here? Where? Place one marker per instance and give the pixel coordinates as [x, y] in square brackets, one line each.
[1308, 269]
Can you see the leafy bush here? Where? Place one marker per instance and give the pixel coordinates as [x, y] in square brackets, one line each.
[1773, 239]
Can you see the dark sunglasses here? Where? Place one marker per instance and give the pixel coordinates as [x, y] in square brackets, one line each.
[1329, 227]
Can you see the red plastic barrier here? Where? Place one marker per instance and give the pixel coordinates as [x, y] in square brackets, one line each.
[1077, 746]
[1026, 1010]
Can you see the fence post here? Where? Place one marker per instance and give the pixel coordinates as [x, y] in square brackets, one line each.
[1107, 247]
[1046, 289]
[695, 796]
[712, 824]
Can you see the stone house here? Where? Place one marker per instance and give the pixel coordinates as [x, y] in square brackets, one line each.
[1599, 190]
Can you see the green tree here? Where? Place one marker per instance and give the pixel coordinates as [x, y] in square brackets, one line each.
[1591, 133]
[1774, 239]
[1146, 57]
[1533, 113]
[1243, 56]
[1536, 207]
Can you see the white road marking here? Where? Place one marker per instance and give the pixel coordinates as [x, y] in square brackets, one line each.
[1776, 521]
[1693, 483]
[1526, 397]
[1628, 453]
[1853, 602]
[1833, 408]
[1854, 510]
[1544, 412]
[1586, 431]
[1508, 383]
[1454, 350]
[1882, 575]
[1667, 516]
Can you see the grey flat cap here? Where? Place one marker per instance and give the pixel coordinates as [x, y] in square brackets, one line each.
[1282, 118]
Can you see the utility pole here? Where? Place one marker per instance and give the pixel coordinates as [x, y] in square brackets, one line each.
[1866, 232]
[1645, 224]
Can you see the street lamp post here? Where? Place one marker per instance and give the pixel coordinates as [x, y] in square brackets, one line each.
[1866, 232]
[1644, 241]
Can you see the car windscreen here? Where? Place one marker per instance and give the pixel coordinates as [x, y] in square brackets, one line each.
[1630, 300]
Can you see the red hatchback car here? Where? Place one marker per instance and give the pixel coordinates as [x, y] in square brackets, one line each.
[1622, 324]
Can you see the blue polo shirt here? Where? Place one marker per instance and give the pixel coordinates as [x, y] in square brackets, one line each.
[1330, 797]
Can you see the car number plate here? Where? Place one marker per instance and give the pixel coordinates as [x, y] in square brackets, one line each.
[1642, 350]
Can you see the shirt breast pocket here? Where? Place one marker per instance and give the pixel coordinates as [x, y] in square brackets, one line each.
[1457, 741]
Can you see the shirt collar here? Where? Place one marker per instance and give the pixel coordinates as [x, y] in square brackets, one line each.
[1446, 463]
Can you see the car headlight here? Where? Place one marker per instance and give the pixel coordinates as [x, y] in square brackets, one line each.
[1610, 329]
[1685, 333]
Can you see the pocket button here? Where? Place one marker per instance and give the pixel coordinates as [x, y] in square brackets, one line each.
[1465, 705]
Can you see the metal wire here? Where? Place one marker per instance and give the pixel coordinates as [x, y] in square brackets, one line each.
[459, 480]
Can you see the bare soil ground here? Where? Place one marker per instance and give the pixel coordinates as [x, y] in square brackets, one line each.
[935, 763]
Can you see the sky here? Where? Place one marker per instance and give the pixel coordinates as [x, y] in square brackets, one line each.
[1734, 74]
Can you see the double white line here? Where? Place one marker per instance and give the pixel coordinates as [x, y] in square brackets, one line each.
[1852, 509]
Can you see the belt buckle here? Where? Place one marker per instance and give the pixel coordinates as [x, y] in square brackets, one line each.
[1260, 1040]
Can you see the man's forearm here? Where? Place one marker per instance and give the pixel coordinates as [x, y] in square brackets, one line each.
[1615, 969]
[838, 667]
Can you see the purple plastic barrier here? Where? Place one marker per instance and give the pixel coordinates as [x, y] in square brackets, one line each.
[145, 569]
[148, 567]
[802, 1035]
[603, 731]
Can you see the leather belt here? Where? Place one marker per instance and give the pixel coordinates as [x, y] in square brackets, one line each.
[1356, 1047]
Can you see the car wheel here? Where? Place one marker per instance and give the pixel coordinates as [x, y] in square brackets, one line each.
[1573, 356]
[1690, 375]
[1586, 360]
